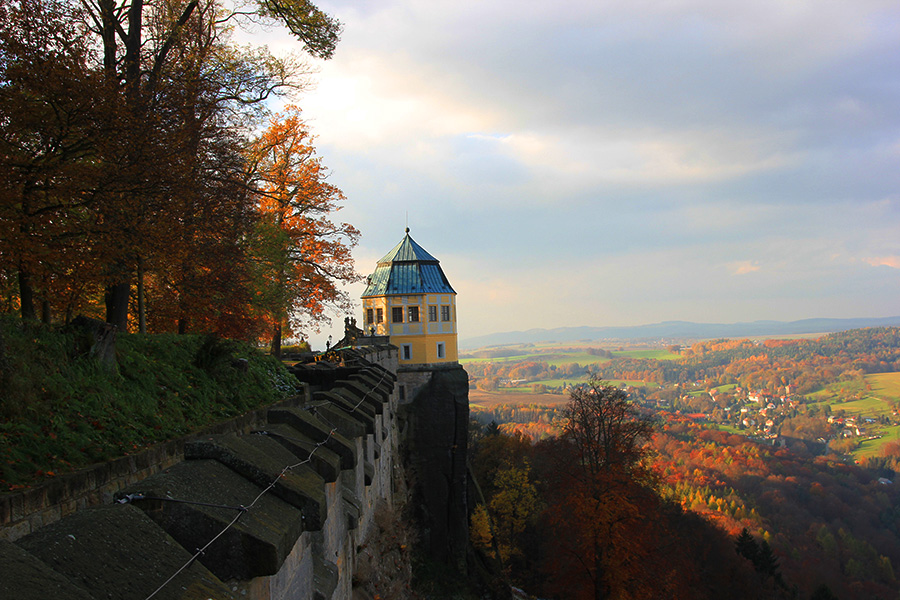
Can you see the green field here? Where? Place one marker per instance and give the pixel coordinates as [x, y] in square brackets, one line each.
[723, 427]
[555, 383]
[868, 406]
[582, 358]
[873, 447]
[885, 386]
[660, 354]
[515, 358]
[871, 397]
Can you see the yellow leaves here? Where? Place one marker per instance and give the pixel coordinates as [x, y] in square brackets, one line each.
[480, 530]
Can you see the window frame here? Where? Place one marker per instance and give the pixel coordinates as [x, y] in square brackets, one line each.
[395, 312]
[445, 313]
[412, 314]
[432, 314]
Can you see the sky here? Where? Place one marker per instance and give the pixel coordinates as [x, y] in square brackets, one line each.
[621, 162]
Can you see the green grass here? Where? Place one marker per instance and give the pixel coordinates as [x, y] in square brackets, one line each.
[660, 354]
[873, 447]
[723, 427]
[516, 358]
[560, 382]
[61, 410]
[864, 407]
[839, 391]
[720, 388]
[868, 397]
[885, 385]
[582, 358]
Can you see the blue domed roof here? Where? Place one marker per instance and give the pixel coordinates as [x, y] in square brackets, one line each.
[407, 269]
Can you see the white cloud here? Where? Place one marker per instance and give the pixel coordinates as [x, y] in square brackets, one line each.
[617, 162]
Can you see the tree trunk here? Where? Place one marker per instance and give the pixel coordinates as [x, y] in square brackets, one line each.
[26, 294]
[276, 341]
[45, 311]
[117, 305]
[141, 308]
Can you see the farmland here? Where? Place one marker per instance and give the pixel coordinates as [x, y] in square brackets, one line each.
[808, 389]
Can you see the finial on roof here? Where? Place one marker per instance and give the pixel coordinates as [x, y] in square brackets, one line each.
[407, 230]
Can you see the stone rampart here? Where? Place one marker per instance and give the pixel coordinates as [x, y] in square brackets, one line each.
[273, 509]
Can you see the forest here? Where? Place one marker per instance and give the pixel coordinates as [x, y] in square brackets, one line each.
[146, 181]
[827, 522]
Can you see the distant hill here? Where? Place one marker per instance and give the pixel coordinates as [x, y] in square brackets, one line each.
[677, 330]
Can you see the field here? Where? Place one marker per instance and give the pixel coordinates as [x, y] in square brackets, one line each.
[563, 354]
[885, 386]
[872, 397]
[480, 399]
[660, 354]
[873, 447]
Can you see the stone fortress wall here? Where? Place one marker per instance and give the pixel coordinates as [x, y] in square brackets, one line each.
[273, 505]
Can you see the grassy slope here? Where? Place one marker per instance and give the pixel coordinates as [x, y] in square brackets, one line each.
[59, 410]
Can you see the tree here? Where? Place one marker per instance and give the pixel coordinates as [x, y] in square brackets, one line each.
[301, 256]
[121, 130]
[50, 102]
[513, 506]
[141, 47]
[605, 490]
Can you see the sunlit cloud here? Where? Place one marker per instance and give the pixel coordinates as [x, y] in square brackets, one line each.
[617, 163]
[884, 261]
[743, 267]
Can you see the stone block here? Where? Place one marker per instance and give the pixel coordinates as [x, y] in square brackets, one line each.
[15, 531]
[27, 578]
[367, 392]
[316, 429]
[354, 421]
[322, 460]
[197, 499]
[347, 425]
[118, 552]
[301, 487]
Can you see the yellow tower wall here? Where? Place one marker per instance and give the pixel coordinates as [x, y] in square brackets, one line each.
[422, 340]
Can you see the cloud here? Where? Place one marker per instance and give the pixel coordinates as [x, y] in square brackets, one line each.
[618, 162]
[743, 267]
[884, 261]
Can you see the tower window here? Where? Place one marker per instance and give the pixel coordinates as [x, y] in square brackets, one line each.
[406, 349]
[379, 315]
[445, 313]
[397, 314]
[432, 313]
[413, 314]
[370, 315]
[441, 353]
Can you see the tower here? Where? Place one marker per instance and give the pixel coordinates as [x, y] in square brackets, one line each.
[409, 299]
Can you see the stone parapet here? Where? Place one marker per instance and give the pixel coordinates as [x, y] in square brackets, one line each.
[25, 511]
[273, 509]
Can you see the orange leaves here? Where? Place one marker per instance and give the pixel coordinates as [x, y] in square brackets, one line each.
[301, 256]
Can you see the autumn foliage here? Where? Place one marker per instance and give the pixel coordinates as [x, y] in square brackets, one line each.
[131, 185]
[597, 525]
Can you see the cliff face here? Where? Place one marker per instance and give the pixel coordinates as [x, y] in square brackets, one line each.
[435, 407]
